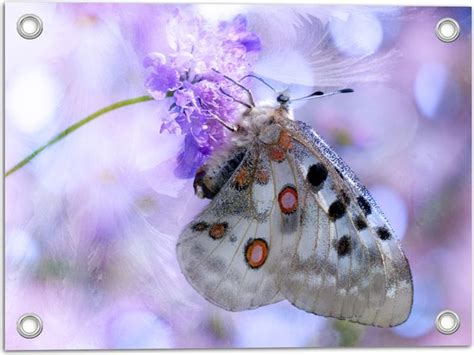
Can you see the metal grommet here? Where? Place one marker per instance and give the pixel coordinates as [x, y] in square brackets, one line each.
[447, 29]
[29, 26]
[447, 322]
[29, 326]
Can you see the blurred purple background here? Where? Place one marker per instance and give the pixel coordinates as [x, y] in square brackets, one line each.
[91, 224]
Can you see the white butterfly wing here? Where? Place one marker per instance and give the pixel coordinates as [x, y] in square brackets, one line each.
[231, 252]
[348, 263]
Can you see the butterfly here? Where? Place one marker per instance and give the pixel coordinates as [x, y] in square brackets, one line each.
[289, 220]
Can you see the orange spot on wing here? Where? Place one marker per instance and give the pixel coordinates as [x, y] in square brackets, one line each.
[288, 200]
[262, 177]
[218, 230]
[256, 253]
[277, 153]
[285, 141]
[241, 179]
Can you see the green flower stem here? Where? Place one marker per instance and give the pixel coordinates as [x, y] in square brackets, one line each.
[76, 126]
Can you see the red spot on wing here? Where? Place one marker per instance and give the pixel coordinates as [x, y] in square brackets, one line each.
[284, 141]
[277, 153]
[288, 200]
[218, 230]
[256, 253]
[242, 179]
[262, 177]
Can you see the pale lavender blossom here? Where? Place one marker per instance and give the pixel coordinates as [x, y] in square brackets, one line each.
[163, 77]
[188, 76]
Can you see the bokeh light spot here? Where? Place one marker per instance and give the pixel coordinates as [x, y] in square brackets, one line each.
[430, 85]
[33, 99]
[135, 329]
[358, 35]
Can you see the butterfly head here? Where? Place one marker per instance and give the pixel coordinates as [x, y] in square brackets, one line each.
[283, 99]
[257, 117]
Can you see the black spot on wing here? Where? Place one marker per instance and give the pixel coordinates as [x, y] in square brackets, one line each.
[317, 174]
[364, 205]
[360, 223]
[344, 246]
[384, 233]
[199, 227]
[337, 210]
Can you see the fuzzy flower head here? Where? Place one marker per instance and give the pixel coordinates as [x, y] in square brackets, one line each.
[187, 78]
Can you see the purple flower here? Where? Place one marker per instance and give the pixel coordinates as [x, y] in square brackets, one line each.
[163, 78]
[249, 40]
[187, 77]
[190, 157]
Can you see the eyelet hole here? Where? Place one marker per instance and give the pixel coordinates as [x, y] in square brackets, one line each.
[448, 30]
[29, 26]
[29, 326]
[447, 322]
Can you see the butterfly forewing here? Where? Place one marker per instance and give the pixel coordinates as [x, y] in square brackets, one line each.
[356, 269]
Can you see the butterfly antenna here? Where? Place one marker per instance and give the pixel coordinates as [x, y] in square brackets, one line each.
[318, 94]
[249, 93]
[259, 79]
[225, 124]
[234, 99]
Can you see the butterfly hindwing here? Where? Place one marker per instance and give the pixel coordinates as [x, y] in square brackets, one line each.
[348, 263]
[236, 268]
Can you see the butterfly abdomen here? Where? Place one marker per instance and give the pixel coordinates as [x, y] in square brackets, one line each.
[213, 175]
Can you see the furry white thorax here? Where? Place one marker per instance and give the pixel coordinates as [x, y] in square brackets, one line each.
[260, 122]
